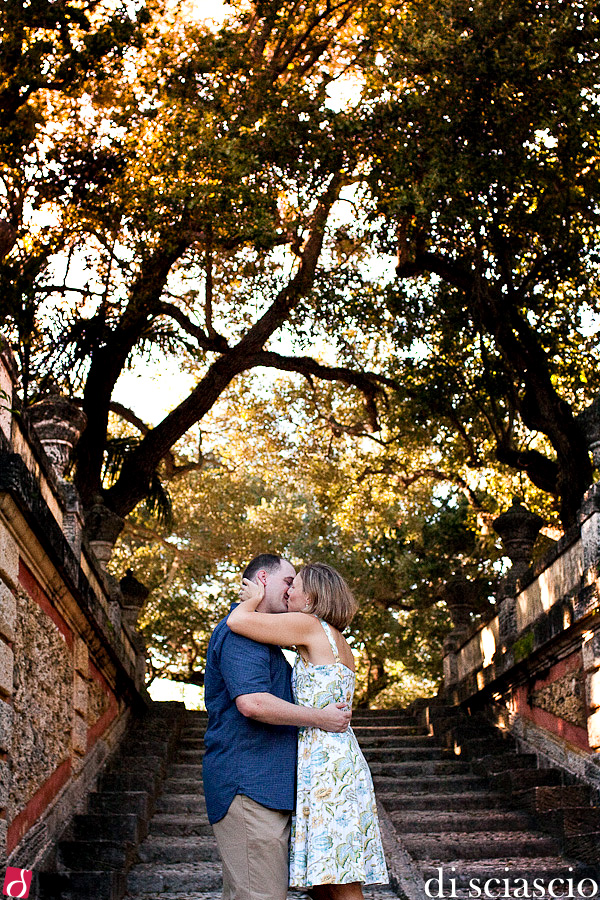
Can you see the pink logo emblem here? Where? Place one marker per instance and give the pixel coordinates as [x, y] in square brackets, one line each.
[17, 882]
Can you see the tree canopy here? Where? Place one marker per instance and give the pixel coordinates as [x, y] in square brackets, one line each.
[398, 203]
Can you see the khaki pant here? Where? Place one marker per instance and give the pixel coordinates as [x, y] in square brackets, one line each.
[254, 845]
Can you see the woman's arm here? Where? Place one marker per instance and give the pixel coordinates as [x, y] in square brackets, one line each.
[274, 711]
[282, 629]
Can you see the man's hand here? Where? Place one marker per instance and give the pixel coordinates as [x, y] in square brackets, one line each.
[335, 717]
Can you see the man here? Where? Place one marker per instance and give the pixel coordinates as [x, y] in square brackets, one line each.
[249, 767]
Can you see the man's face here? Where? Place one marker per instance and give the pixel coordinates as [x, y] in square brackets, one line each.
[277, 585]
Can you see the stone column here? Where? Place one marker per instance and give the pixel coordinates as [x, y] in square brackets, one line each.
[7, 391]
[80, 702]
[460, 597]
[591, 666]
[589, 520]
[9, 574]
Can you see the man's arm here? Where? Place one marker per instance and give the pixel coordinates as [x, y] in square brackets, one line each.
[272, 710]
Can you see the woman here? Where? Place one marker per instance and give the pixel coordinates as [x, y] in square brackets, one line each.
[335, 842]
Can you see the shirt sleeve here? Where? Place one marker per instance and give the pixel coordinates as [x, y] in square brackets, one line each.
[245, 665]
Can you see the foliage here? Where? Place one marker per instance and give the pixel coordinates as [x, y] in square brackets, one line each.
[297, 492]
[482, 164]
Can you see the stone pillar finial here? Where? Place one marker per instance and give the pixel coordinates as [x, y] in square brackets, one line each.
[102, 528]
[460, 596]
[58, 423]
[135, 594]
[518, 529]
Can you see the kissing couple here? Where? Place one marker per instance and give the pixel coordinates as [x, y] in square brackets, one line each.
[288, 792]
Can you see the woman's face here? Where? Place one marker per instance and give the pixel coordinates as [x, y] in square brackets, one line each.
[296, 599]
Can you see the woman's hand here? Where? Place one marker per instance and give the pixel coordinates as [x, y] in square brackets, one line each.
[250, 590]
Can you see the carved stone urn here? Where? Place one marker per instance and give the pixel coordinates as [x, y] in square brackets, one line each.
[58, 423]
[102, 528]
[518, 529]
[461, 597]
[135, 594]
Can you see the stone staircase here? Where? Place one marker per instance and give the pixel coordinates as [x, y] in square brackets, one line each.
[480, 813]
[471, 816]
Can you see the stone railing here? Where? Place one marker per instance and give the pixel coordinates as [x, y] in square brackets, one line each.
[72, 664]
[534, 667]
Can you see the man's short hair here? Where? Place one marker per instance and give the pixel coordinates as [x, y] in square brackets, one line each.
[270, 562]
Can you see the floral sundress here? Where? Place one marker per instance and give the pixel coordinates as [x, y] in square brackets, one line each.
[335, 832]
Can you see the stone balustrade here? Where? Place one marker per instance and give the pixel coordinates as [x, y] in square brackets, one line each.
[535, 666]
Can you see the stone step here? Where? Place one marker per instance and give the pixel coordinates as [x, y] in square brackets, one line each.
[507, 782]
[82, 856]
[450, 845]
[406, 741]
[177, 824]
[178, 849]
[548, 797]
[96, 884]
[359, 718]
[505, 762]
[185, 770]
[181, 803]
[110, 826]
[389, 731]
[173, 786]
[139, 802]
[150, 880]
[191, 744]
[193, 756]
[465, 821]
[421, 767]
[451, 802]
[431, 784]
[125, 782]
[407, 754]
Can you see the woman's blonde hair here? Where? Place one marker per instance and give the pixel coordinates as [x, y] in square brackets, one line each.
[329, 597]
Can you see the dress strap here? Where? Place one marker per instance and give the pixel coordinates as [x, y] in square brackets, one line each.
[331, 640]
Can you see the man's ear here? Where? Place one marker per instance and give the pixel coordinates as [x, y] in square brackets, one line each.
[261, 576]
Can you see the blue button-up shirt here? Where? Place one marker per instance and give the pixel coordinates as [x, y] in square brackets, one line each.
[243, 756]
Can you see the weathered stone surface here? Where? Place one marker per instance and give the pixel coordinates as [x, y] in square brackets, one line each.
[6, 669]
[80, 695]
[42, 701]
[8, 605]
[593, 725]
[5, 779]
[590, 536]
[590, 649]
[3, 834]
[81, 657]
[593, 689]
[6, 726]
[79, 735]
[9, 557]
[563, 698]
